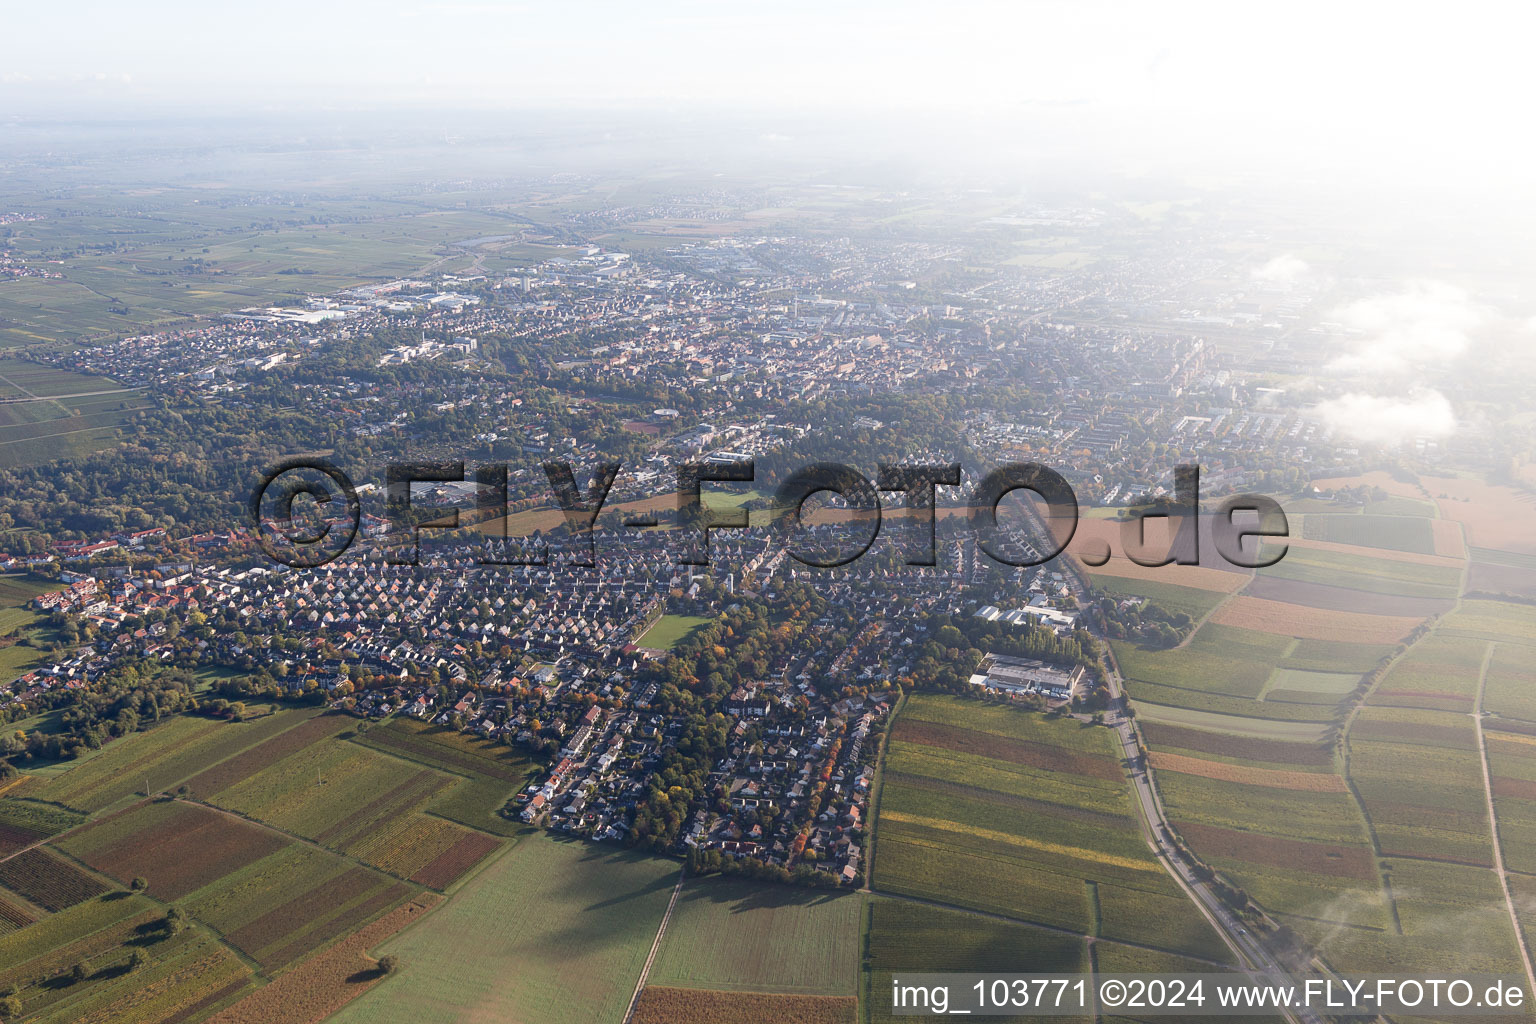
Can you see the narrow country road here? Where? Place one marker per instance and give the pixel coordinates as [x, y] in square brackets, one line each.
[1493, 821]
[645, 971]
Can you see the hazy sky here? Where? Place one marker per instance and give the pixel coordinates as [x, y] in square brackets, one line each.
[1396, 87]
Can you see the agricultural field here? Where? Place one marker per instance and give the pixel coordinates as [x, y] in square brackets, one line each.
[1217, 659]
[25, 822]
[1440, 673]
[1394, 532]
[698, 1006]
[1213, 573]
[1305, 686]
[1301, 849]
[1011, 812]
[273, 899]
[576, 920]
[162, 756]
[176, 846]
[1420, 778]
[1500, 621]
[266, 258]
[746, 936]
[46, 880]
[1304, 622]
[1436, 905]
[1247, 747]
[47, 412]
[671, 630]
[353, 799]
[903, 936]
[1194, 603]
[22, 379]
[183, 977]
[1236, 723]
[1502, 572]
[1360, 570]
[319, 986]
[1334, 656]
[1494, 515]
[488, 774]
[1512, 775]
[1510, 688]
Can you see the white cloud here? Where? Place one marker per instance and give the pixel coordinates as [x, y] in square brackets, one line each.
[1281, 269]
[1384, 420]
[1427, 324]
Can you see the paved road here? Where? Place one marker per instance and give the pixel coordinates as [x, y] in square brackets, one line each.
[1233, 930]
[1249, 948]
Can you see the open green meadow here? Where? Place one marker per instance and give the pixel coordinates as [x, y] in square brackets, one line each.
[15, 593]
[550, 931]
[746, 936]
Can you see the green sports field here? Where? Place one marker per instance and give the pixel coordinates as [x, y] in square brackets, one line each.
[671, 630]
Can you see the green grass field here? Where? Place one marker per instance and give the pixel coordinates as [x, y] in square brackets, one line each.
[550, 931]
[747, 936]
[671, 630]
